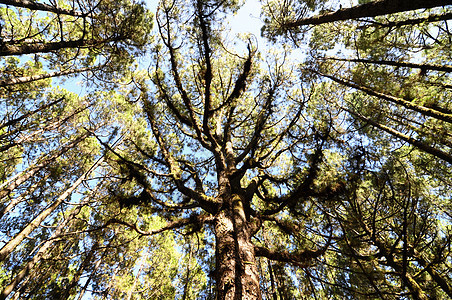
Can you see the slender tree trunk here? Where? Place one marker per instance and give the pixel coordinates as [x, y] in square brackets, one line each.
[371, 9]
[272, 280]
[80, 271]
[22, 197]
[11, 184]
[236, 269]
[14, 242]
[397, 64]
[415, 289]
[32, 5]
[187, 274]
[96, 267]
[16, 120]
[43, 251]
[443, 283]
[106, 292]
[50, 126]
[137, 277]
[8, 49]
[418, 144]
[26, 79]
[408, 104]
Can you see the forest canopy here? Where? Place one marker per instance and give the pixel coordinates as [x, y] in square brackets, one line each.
[154, 154]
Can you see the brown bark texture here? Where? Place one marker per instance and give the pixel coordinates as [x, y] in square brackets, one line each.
[372, 9]
[236, 269]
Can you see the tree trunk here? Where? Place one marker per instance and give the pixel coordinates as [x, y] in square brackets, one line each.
[415, 289]
[14, 242]
[236, 269]
[4, 210]
[442, 282]
[30, 113]
[50, 125]
[418, 144]
[11, 184]
[32, 5]
[75, 279]
[446, 117]
[371, 9]
[137, 277]
[431, 18]
[9, 50]
[25, 272]
[445, 68]
[25, 79]
[112, 280]
[96, 267]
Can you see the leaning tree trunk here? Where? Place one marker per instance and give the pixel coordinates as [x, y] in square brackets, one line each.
[33, 5]
[26, 79]
[416, 143]
[24, 274]
[12, 183]
[9, 49]
[236, 270]
[371, 9]
[9, 247]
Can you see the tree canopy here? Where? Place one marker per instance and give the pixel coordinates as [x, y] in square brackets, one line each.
[192, 163]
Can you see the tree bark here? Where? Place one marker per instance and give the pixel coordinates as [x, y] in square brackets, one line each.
[446, 117]
[8, 49]
[41, 6]
[418, 144]
[8, 186]
[14, 242]
[236, 269]
[26, 79]
[25, 272]
[4, 210]
[372, 9]
[397, 64]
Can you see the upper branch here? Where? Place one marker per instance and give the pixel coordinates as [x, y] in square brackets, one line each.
[176, 172]
[371, 9]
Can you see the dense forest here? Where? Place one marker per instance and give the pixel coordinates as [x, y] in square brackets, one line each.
[154, 154]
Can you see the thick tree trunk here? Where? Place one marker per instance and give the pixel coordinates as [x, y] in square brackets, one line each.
[371, 9]
[430, 18]
[236, 269]
[32, 5]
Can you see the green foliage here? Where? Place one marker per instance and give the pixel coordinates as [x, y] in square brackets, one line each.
[299, 166]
